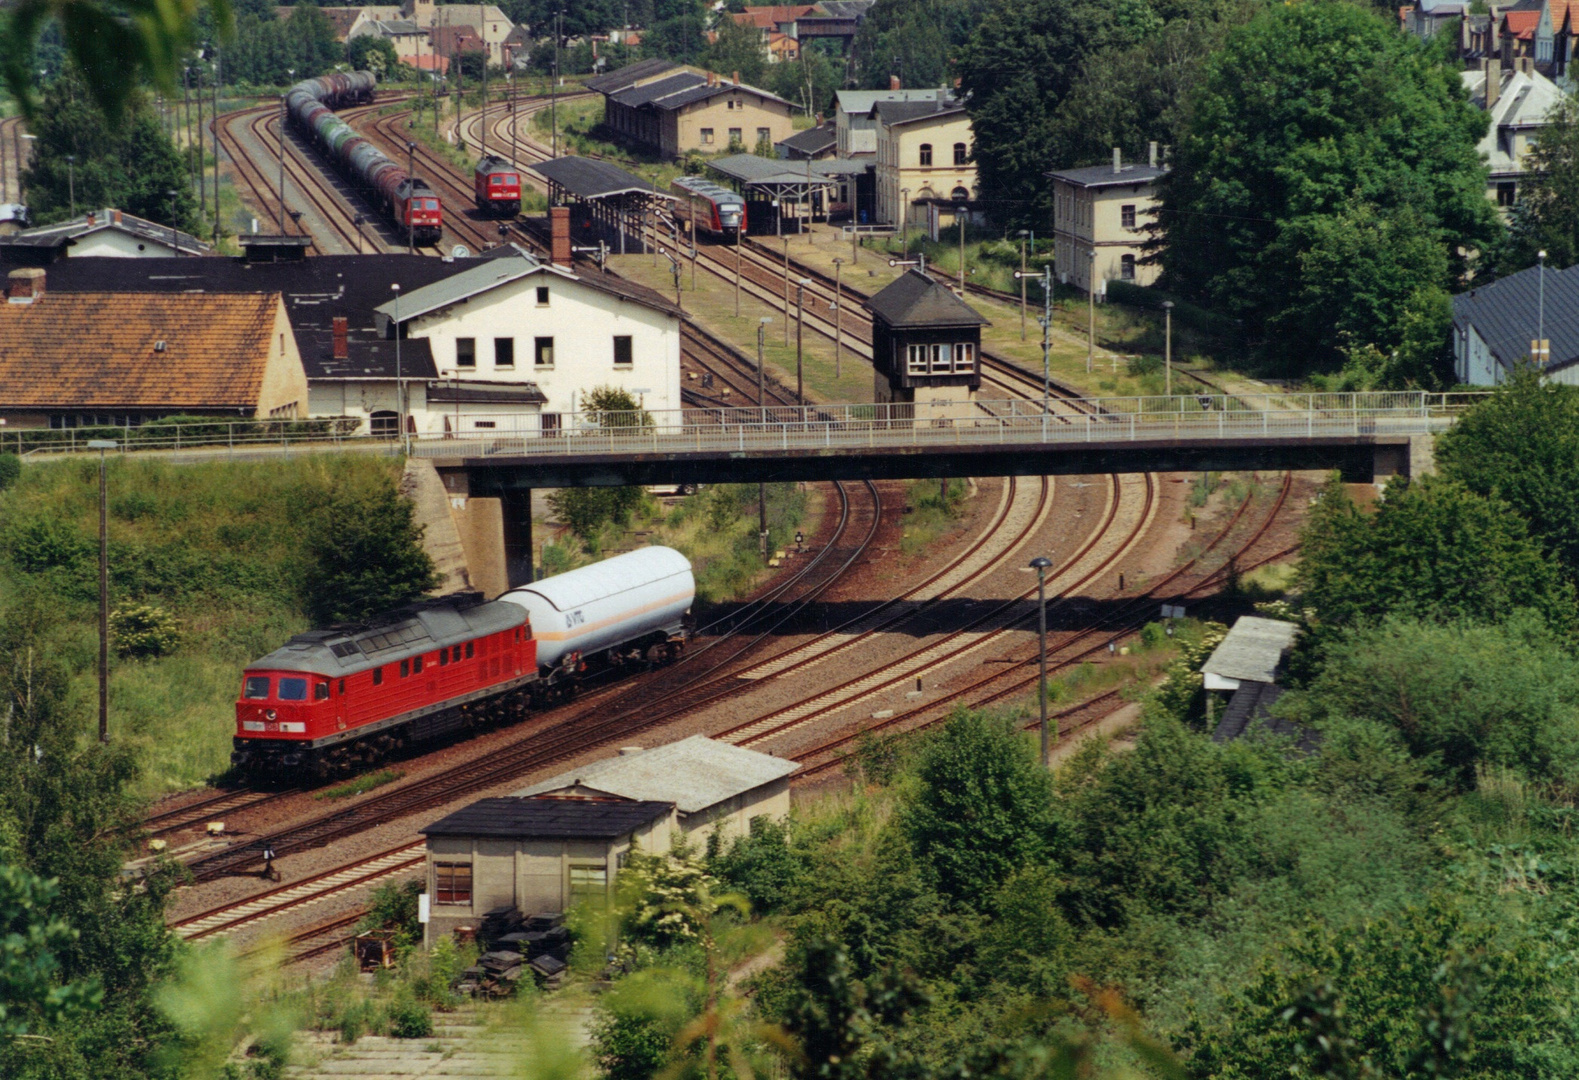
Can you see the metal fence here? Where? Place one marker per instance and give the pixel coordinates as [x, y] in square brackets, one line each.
[191, 434]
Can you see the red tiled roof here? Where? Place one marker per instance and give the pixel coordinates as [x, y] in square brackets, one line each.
[1521, 24]
[449, 40]
[768, 18]
[102, 350]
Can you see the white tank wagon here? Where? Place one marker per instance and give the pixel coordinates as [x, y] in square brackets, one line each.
[626, 607]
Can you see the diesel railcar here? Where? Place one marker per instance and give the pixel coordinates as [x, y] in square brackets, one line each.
[331, 702]
[497, 187]
[407, 200]
[717, 210]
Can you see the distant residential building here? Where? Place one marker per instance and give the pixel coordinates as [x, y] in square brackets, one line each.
[98, 232]
[665, 108]
[1100, 216]
[1427, 18]
[1520, 103]
[1495, 326]
[487, 23]
[926, 347]
[71, 360]
[786, 27]
[409, 40]
[854, 124]
[923, 166]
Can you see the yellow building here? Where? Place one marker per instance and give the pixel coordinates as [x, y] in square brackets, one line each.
[1100, 215]
[662, 107]
[923, 159]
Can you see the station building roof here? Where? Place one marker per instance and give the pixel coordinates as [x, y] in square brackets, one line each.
[593, 178]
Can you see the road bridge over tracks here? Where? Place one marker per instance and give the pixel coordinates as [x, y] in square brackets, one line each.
[1363, 435]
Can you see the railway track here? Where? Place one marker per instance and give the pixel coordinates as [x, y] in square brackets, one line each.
[208, 809]
[625, 715]
[1064, 652]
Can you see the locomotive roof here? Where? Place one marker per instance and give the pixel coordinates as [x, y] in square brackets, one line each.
[398, 635]
[491, 164]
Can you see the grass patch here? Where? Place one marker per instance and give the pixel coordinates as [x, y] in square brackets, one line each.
[221, 547]
[931, 513]
[361, 784]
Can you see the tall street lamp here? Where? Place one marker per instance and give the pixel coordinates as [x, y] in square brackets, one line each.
[411, 225]
[786, 289]
[290, 73]
[1091, 312]
[1540, 325]
[959, 219]
[762, 488]
[800, 323]
[102, 445]
[1167, 346]
[1040, 565]
[1023, 234]
[175, 241]
[71, 181]
[838, 305]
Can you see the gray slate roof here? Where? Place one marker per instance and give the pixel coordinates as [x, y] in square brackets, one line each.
[1104, 176]
[861, 101]
[592, 178]
[65, 233]
[694, 774]
[814, 140]
[514, 818]
[1506, 313]
[915, 300]
[1252, 650]
[629, 75]
[905, 112]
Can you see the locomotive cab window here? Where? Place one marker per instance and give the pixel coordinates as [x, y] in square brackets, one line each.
[416, 664]
[342, 686]
[257, 688]
[321, 691]
[293, 689]
[444, 658]
[405, 668]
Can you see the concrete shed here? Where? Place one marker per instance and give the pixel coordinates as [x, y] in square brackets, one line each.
[712, 784]
[538, 855]
[1252, 652]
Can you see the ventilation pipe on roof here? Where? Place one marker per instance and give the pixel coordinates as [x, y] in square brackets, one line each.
[1118, 160]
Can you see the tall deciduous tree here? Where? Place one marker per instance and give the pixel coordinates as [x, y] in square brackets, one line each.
[1546, 217]
[1522, 445]
[1433, 548]
[1311, 116]
[367, 555]
[736, 48]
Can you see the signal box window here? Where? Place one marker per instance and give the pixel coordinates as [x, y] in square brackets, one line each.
[466, 352]
[1126, 216]
[622, 350]
[588, 882]
[256, 689]
[293, 689]
[926, 153]
[504, 352]
[543, 351]
[452, 882]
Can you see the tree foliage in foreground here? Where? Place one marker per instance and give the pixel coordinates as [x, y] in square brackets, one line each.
[1325, 177]
[1431, 548]
[366, 555]
[1521, 445]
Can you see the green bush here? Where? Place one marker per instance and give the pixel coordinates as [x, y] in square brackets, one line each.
[409, 1019]
[10, 469]
[144, 630]
[394, 907]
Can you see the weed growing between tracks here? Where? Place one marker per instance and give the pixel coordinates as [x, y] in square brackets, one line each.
[930, 515]
[362, 784]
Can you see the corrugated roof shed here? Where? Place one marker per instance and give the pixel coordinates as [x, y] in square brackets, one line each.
[915, 300]
[143, 350]
[514, 818]
[1252, 650]
[694, 774]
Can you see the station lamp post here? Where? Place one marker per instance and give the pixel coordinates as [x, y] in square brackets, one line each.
[762, 401]
[800, 323]
[1023, 234]
[1040, 565]
[400, 386]
[838, 304]
[71, 181]
[1167, 347]
[103, 445]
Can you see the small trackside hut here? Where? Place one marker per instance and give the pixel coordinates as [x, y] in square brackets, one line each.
[534, 855]
[926, 349]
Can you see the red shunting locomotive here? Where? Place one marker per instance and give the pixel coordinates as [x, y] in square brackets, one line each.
[497, 187]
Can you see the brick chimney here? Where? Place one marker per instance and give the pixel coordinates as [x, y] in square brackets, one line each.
[116, 215]
[894, 83]
[341, 326]
[559, 234]
[1527, 65]
[1494, 33]
[1493, 68]
[736, 77]
[1151, 153]
[1463, 33]
[1118, 160]
[91, 216]
[25, 285]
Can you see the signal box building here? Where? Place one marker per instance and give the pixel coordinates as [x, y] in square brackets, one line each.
[926, 347]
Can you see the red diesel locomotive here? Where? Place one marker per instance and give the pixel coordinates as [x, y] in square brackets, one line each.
[497, 187]
[332, 701]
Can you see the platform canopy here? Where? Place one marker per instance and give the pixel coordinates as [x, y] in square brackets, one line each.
[591, 178]
[782, 179]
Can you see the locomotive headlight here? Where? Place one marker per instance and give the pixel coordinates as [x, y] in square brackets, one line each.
[271, 714]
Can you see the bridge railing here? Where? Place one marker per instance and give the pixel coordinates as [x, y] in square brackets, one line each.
[856, 426]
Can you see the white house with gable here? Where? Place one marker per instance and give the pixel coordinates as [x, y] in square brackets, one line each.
[518, 344]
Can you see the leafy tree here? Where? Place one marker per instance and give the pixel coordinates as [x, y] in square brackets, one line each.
[1460, 696]
[366, 555]
[1356, 138]
[129, 166]
[810, 81]
[1521, 445]
[1428, 994]
[588, 510]
[372, 53]
[681, 38]
[736, 48]
[981, 808]
[913, 41]
[1434, 549]
[10, 469]
[29, 991]
[1546, 217]
[763, 864]
[116, 46]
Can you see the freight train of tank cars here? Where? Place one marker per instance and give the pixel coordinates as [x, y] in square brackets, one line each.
[407, 200]
[330, 702]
